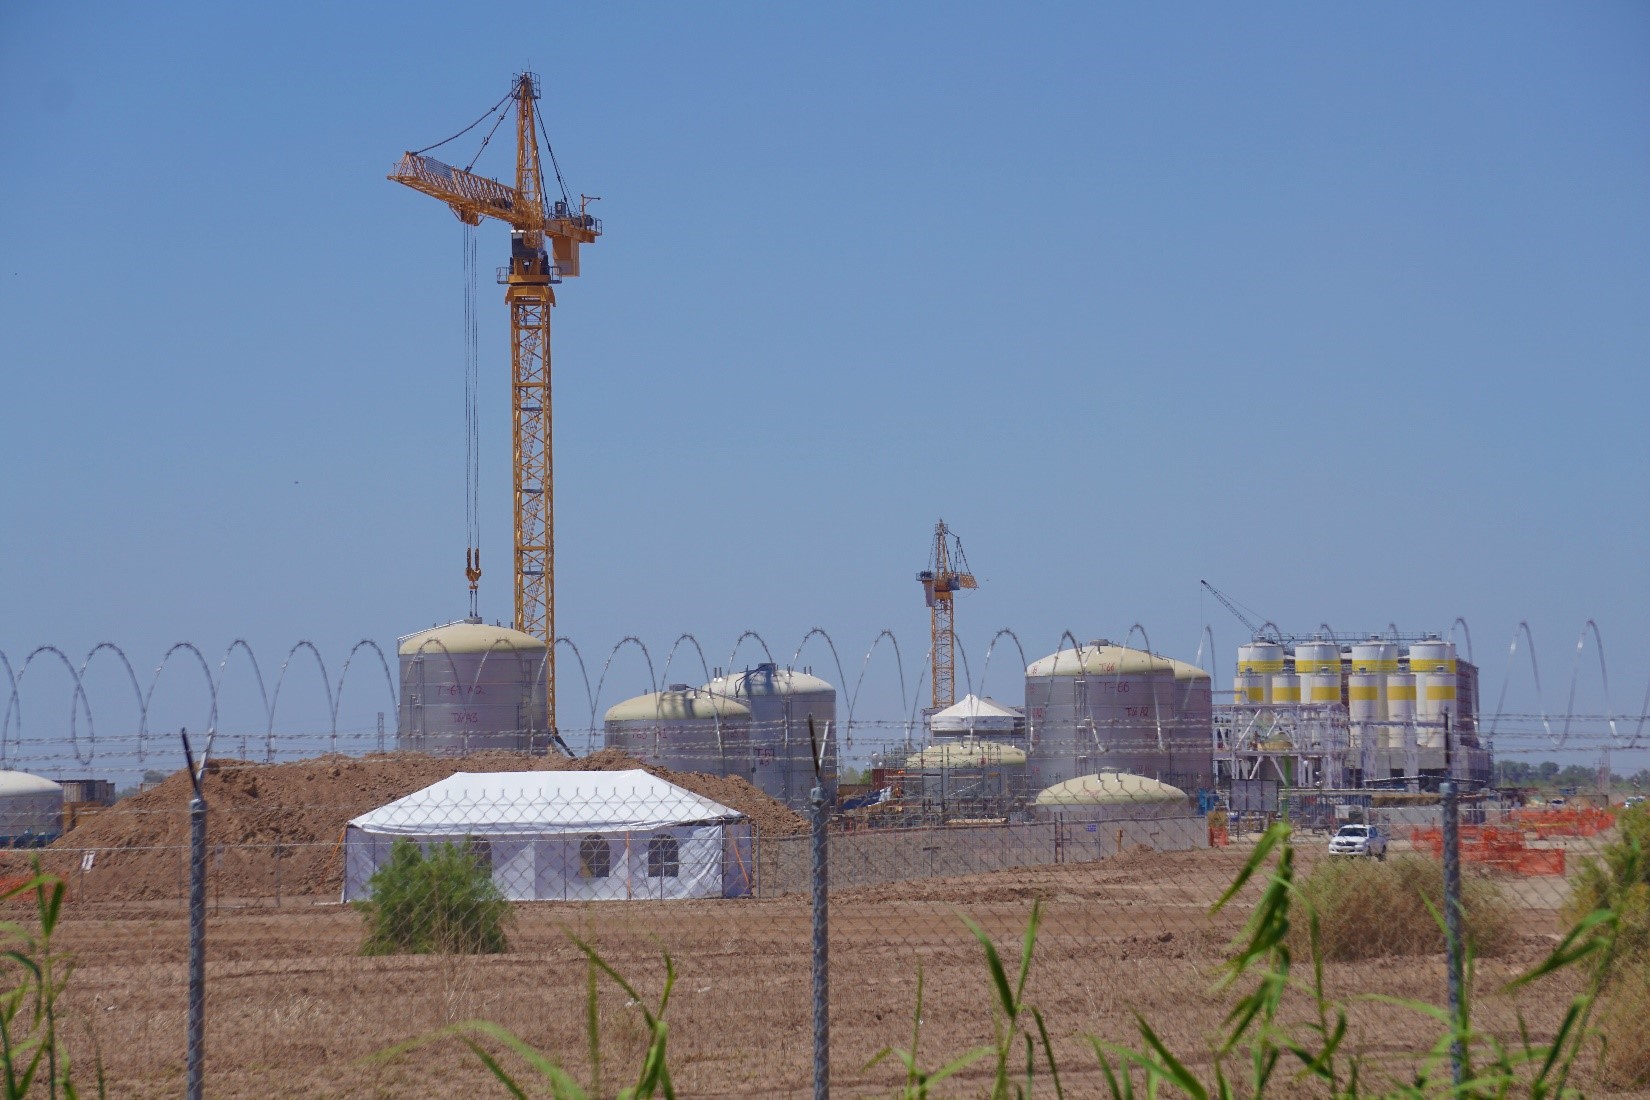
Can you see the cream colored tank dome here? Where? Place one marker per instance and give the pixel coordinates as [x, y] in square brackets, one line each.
[465, 636]
[674, 706]
[966, 754]
[1100, 658]
[766, 680]
[1186, 671]
[1109, 789]
[14, 783]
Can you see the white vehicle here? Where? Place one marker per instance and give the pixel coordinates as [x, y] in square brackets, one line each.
[1358, 840]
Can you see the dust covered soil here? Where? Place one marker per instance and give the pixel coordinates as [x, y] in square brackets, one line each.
[276, 830]
[294, 1010]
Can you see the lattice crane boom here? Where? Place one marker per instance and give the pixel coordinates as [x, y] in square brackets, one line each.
[947, 574]
[529, 281]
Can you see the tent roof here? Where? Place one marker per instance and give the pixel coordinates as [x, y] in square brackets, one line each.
[981, 712]
[495, 803]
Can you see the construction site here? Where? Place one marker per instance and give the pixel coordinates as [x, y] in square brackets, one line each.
[692, 832]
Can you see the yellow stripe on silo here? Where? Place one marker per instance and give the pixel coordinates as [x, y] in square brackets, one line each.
[1363, 693]
[1435, 693]
[1399, 693]
[1260, 666]
[1375, 666]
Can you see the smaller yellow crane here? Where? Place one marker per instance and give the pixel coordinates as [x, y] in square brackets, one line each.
[947, 572]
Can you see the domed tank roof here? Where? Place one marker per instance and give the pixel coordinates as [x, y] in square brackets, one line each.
[1109, 789]
[1100, 658]
[467, 636]
[1186, 671]
[967, 754]
[14, 783]
[676, 706]
[768, 679]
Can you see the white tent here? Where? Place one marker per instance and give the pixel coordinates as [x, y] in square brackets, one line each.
[978, 716]
[567, 836]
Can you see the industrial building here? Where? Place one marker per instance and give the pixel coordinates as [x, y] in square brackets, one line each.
[1380, 712]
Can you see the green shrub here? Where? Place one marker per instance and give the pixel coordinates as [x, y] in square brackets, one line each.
[1367, 909]
[32, 1055]
[444, 902]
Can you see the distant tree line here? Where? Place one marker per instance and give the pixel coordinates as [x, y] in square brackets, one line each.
[1548, 773]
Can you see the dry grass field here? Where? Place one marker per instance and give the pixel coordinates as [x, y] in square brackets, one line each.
[293, 1010]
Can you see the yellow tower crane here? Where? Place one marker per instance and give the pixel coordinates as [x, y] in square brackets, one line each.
[529, 282]
[947, 572]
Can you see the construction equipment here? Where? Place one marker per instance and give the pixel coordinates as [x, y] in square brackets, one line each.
[529, 280]
[1258, 632]
[947, 573]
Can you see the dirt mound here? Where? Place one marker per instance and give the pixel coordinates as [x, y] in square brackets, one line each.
[275, 829]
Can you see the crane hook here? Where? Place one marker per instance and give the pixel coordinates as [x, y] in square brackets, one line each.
[472, 571]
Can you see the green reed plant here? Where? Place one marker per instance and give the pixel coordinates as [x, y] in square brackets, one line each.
[32, 1055]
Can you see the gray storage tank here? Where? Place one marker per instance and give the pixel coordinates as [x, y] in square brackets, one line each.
[683, 729]
[31, 810]
[1100, 707]
[781, 700]
[467, 686]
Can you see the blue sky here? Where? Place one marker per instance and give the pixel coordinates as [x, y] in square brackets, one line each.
[1344, 309]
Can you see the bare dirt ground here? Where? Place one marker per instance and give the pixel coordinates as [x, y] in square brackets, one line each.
[293, 1010]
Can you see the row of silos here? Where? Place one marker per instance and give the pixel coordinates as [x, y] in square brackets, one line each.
[1387, 691]
[754, 724]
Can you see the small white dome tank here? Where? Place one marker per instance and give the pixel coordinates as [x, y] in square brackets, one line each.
[781, 700]
[468, 686]
[681, 728]
[31, 810]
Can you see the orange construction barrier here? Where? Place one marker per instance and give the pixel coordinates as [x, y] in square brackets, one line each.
[1497, 846]
[1219, 837]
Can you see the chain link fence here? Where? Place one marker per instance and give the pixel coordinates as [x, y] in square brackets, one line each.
[351, 904]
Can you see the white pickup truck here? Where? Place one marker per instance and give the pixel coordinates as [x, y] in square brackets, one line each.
[1358, 840]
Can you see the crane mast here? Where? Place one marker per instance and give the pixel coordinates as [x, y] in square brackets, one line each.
[529, 281]
[940, 582]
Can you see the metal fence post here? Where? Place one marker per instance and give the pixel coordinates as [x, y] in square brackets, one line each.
[821, 975]
[1452, 923]
[196, 1058]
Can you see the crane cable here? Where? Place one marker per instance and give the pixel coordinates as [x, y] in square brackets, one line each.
[551, 149]
[467, 129]
[472, 421]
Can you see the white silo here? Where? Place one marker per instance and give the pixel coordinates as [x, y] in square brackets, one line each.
[1400, 710]
[1252, 688]
[1321, 687]
[31, 810]
[468, 686]
[781, 700]
[1433, 663]
[1318, 656]
[1257, 663]
[1286, 689]
[1375, 656]
[1366, 706]
[682, 729]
